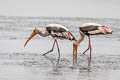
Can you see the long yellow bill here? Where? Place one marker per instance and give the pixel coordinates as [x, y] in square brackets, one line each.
[31, 36]
[75, 54]
[75, 50]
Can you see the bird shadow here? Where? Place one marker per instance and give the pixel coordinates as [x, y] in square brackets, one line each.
[54, 62]
[76, 62]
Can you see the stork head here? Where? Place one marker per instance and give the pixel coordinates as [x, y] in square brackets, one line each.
[35, 31]
[109, 30]
[106, 30]
[76, 43]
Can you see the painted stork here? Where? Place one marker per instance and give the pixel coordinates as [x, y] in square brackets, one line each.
[57, 31]
[89, 29]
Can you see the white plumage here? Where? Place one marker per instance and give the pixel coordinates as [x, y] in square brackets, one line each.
[90, 24]
[58, 26]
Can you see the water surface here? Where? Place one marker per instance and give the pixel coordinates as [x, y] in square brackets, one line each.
[27, 63]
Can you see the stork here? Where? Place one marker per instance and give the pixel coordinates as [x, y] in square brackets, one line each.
[89, 29]
[57, 31]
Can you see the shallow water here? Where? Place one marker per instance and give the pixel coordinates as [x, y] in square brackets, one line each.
[27, 63]
[26, 66]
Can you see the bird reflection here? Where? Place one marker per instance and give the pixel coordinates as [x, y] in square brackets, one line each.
[53, 61]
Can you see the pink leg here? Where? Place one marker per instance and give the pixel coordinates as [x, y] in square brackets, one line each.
[51, 49]
[58, 47]
[86, 50]
[88, 46]
[89, 58]
[58, 52]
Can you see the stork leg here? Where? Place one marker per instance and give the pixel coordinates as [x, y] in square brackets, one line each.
[86, 50]
[57, 47]
[89, 46]
[58, 52]
[55, 41]
[89, 58]
[51, 49]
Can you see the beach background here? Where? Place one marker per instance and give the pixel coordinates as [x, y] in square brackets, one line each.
[27, 63]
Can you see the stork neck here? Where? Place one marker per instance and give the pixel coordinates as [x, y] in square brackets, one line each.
[44, 34]
[80, 39]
